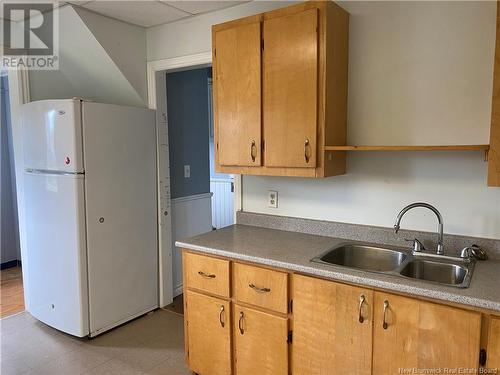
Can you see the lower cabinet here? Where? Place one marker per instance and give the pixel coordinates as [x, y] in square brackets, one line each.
[260, 342]
[332, 328]
[209, 332]
[410, 333]
[493, 352]
[256, 325]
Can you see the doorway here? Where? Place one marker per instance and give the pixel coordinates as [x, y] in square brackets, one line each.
[201, 199]
[221, 184]
[11, 281]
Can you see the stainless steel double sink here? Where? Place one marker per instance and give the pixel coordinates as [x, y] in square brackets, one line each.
[438, 269]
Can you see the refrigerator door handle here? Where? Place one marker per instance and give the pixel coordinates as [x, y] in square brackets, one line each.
[58, 173]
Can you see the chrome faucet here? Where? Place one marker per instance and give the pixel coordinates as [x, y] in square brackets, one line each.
[440, 247]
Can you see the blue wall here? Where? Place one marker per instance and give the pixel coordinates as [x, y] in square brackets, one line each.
[188, 131]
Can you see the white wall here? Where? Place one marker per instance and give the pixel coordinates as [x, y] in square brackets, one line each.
[419, 73]
[124, 43]
[93, 61]
[193, 35]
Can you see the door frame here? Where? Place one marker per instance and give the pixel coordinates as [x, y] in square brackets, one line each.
[19, 93]
[157, 100]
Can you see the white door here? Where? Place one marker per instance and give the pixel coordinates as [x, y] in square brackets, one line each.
[120, 193]
[222, 189]
[56, 248]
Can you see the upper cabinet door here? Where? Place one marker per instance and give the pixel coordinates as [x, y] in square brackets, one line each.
[290, 89]
[237, 95]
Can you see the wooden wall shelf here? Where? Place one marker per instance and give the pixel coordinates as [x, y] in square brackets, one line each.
[410, 148]
[484, 148]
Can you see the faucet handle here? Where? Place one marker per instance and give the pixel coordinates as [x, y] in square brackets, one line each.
[416, 246]
[473, 252]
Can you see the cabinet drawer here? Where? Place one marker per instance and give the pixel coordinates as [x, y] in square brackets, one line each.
[207, 274]
[261, 287]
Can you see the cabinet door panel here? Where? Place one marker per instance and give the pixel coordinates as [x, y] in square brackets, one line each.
[328, 337]
[290, 89]
[209, 340]
[262, 347]
[237, 95]
[493, 352]
[423, 335]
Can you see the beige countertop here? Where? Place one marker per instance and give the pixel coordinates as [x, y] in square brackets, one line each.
[293, 251]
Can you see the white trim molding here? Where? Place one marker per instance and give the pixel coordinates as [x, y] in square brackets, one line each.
[170, 64]
[18, 95]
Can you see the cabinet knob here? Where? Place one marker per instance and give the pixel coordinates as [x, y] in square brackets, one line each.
[206, 275]
[253, 150]
[361, 302]
[307, 150]
[259, 290]
[220, 316]
[240, 322]
[386, 306]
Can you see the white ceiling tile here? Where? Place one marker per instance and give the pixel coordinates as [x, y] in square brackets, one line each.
[142, 13]
[196, 7]
[19, 18]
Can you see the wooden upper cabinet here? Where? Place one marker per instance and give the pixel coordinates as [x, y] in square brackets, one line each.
[281, 80]
[237, 94]
[208, 328]
[420, 334]
[290, 88]
[332, 328]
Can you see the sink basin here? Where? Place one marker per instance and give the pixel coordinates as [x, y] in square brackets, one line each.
[363, 257]
[444, 270]
[438, 272]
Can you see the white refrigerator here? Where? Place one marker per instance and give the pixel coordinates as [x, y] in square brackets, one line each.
[91, 214]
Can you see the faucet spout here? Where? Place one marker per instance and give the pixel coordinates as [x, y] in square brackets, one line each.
[397, 225]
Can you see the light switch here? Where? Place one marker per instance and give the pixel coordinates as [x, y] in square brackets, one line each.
[187, 171]
[273, 199]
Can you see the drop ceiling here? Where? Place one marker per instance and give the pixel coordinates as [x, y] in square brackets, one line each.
[151, 13]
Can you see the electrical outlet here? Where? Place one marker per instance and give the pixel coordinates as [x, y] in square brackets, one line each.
[187, 171]
[273, 198]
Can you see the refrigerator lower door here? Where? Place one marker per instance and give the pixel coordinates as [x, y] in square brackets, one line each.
[56, 251]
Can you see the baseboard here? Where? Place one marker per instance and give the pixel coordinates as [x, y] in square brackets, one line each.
[178, 290]
[10, 264]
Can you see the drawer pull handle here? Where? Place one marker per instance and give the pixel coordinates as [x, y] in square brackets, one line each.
[253, 150]
[259, 290]
[206, 275]
[361, 302]
[386, 306]
[240, 322]
[307, 156]
[220, 316]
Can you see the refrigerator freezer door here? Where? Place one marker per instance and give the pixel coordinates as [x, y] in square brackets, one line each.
[52, 135]
[56, 251]
[120, 192]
